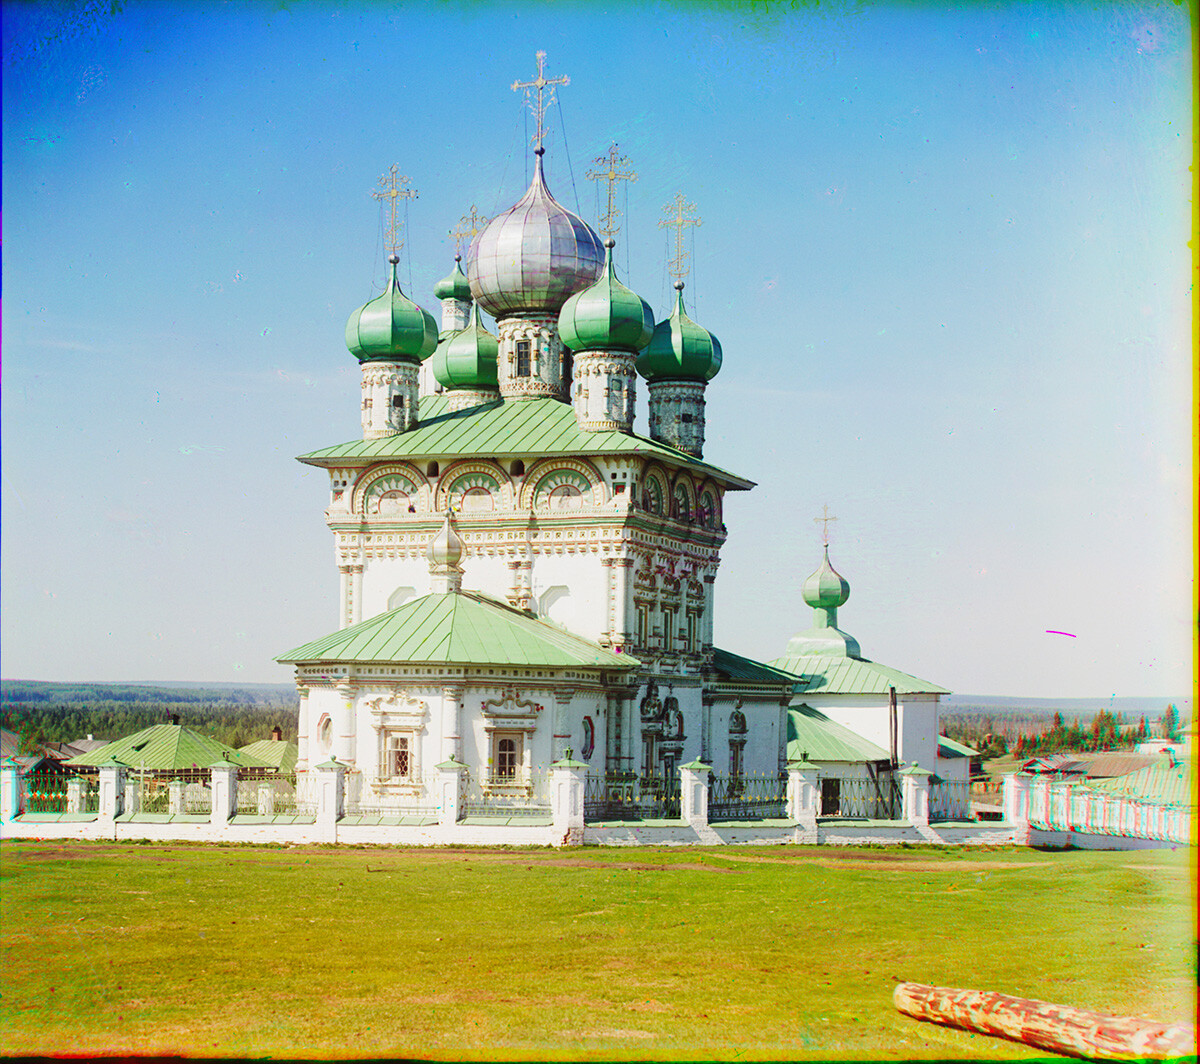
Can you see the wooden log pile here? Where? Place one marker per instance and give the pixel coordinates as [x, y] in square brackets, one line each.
[1058, 1028]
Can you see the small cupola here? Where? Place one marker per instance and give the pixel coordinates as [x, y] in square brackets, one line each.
[444, 552]
[454, 291]
[678, 362]
[605, 325]
[825, 590]
[390, 335]
[465, 365]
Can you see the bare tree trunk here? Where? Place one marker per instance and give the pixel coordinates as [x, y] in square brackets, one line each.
[1059, 1028]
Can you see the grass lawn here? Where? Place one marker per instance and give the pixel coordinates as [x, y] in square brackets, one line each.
[683, 953]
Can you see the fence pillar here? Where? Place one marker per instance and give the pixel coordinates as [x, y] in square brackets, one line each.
[1016, 806]
[803, 791]
[568, 781]
[449, 784]
[175, 797]
[131, 801]
[75, 795]
[112, 789]
[693, 793]
[916, 795]
[266, 800]
[224, 792]
[10, 790]
[331, 795]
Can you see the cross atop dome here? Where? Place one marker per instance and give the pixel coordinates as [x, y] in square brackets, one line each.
[539, 85]
[679, 217]
[611, 175]
[824, 519]
[393, 186]
[468, 226]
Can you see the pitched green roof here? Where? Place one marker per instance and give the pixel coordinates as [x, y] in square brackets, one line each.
[271, 752]
[1162, 782]
[812, 736]
[949, 748]
[829, 675]
[459, 628]
[733, 667]
[518, 428]
[163, 747]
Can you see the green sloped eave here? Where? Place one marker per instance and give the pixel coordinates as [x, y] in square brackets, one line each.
[163, 747]
[280, 755]
[525, 427]
[731, 667]
[1165, 784]
[827, 674]
[813, 736]
[459, 628]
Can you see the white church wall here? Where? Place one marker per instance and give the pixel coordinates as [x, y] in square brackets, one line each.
[579, 601]
[870, 717]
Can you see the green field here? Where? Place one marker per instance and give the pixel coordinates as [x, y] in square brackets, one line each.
[684, 953]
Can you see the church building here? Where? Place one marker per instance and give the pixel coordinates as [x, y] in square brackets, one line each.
[524, 578]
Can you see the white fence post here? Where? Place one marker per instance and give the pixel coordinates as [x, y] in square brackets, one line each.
[449, 785]
[175, 797]
[568, 781]
[331, 793]
[693, 793]
[10, 790]
[224, 792]
[916, 795]
[75, 795]
[112, 789]
[803, 787]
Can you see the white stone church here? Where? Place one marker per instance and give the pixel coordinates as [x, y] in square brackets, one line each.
[524, 578]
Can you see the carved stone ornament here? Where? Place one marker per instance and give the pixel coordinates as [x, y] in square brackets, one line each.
[398, 709]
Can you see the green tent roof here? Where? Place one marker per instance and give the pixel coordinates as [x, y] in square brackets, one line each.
[1163, 782]
[949, 748]
[731, 667]
[163, 747]
[514, 428]
[460, 628]
[830, 675]
[812, 736]
[271, 752]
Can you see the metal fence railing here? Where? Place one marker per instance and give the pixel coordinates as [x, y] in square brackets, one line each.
[46, 791]
[950, 800]
[747, 797]
[625, 796]
[366, 797]
[178, 792]
[507, 796]
[862, 797]
[269, 794]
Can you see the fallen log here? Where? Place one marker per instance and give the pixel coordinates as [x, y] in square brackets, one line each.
[1058, 1028]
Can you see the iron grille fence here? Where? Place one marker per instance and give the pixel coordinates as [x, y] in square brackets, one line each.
[268, 794]
[747, 797]
[177, 792]
[950, 800]
[362, 798]
[46, 792]
[861, 797]
[625, 796]
[522, 796]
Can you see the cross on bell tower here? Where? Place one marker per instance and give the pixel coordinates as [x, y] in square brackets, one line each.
[611, 175]
[679, 218]
[468, 226]
[393, 186]
[539, 84]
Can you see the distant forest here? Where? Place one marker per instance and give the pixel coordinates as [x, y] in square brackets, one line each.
[42, 712]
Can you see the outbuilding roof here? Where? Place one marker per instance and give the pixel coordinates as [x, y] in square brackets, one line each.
[163, 747]
[830, 675]
[950, 749]
[280, 755]
[514, 428]
[733, 668]
[812, 736]
[1166, 782]
[459, 628]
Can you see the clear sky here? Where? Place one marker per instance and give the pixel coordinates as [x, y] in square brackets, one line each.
[944, 248]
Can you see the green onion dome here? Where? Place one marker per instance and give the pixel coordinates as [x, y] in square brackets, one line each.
[454, 286]
[468, 359]
[826, 588]
[391, 327]
[606, 316]
[680, 349]
[529, 259]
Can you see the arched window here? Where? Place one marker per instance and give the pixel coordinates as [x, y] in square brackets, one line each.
[565, 497]
[325, 734]
[476, 500]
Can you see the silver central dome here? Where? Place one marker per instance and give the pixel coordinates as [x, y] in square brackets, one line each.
[532, 257]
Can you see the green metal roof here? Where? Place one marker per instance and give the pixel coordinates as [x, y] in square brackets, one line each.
[271, 752]
[949, 748]
[828, 675]
[680, 349]
[459, 628]
[733, 667]
[1163, 782]
[812, 736]
[163, 747]
[606, 315]
[519, 428]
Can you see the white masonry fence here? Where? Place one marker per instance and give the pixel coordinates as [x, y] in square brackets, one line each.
[560, 806]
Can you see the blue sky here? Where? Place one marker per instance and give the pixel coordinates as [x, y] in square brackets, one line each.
[944, 249]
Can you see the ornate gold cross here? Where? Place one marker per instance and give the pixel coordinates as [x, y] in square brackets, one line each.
[468, 226]
[540, 83]
[393, 186]
[824, 519]
[611, 175]
[676, 219]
